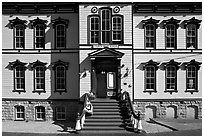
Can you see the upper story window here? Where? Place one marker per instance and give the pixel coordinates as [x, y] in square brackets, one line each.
[60, 69]
[150, 26]
[19, 75]
[105, 27]
[192, 68]
[39, 26]
[19, 27]
[39, 75]
[171, 68]
[191, 32]
[19, 112]
[171, 26]
[60, 25]
[150, 68]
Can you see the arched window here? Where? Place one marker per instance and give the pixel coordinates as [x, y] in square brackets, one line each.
[105, 26]
[19, 112]
[191, 26]
[171, 68]
[192, 68]
[40, 113]
[39, 26]
[19, 75]
[60, 25]
[39, 76]
[94, 29]
[150, 68]
[150, 26]
[171, 25]
[60, 69]
[18, 26]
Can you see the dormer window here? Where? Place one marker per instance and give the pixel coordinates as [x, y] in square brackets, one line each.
[39, 26]
[150, 26]
[171, 26]
[191, 32]
[18, 27]
[19, 75]
[60, 25]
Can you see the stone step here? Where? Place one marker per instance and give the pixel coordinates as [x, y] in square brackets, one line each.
[103, 120]
[105, 110]
[116, 124]
[102, 128]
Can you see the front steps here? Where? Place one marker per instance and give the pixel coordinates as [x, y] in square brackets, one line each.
[108, 116]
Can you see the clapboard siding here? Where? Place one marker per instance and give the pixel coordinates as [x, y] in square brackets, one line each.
[138, 31]
[125, 10]
[160, 77]
[72, 30]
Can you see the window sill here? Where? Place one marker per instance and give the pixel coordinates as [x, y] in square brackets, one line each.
[150, 91]
[60, 91]
[39, 91]
[191, 91]
[19, 119]
[171, 91]
[19, 91]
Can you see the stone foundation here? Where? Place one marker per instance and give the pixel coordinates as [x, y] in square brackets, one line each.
[8, 108]
[184, 109]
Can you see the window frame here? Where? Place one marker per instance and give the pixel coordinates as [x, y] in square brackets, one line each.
[64, 36]
[190, 37]
[64, 77]
[94, 16]
[22, 78]
[146, 77]
[61, 113]
[22, 112]
[120, 30]
[22, 37]
[195, 77]
[42, 37]
[174, 37]
[43, 77]
[174, 78]
[154, 37]
[42, 114]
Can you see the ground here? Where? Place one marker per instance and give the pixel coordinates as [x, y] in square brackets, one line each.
[156, 127]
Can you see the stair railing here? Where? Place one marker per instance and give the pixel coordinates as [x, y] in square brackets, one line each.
[87, 108]
[134, 117]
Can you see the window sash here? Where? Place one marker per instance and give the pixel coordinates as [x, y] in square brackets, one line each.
[60, 78]
[191, 35]
[19, 36]
[39, 78]
[94, 29]
[150, 36]
[191, 78]
[105, 25]
[39, 36]
[60, 113]
[170, 36]
[19, 78]
[150, 78]
[40, 113]
[60, 36]
[20, 113]
[171, 78]
[116, 28]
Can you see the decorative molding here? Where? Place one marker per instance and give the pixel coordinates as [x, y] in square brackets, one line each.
[59, 20]
[171, 21]
[37, 63]
[17, 63]
[59, 62]
[193, 20]
[17, 21]
[150, 21]
[36, 21]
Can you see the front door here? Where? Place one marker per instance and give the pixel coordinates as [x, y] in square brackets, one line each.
[101, 85]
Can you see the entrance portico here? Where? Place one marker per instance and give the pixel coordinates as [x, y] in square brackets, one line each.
[105, 72]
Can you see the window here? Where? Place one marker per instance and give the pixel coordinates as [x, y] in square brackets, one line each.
[191, 36]
[111, 80]
[60, 69]
[94, 31]
[39, 76]
[60, 25]
[149, 36]
[117, 29]
[40, 113]
[171, 68]
[39, 36]
[18, 27]
[192, 68]
[60, 113]
[191, 79]
[191, 27]
[150, 26]
[20, 112]
[105, 27]
[19, 36]
[150, 78]
[19, 75]
[170, 36]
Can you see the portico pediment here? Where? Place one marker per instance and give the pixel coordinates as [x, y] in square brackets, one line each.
[106, 52]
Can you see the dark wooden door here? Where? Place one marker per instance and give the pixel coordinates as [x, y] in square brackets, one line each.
[101, 86]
